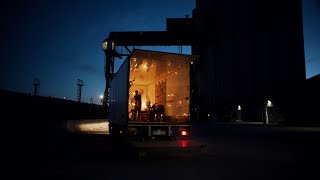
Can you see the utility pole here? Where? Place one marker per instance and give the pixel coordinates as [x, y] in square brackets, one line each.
[36, 84]
[79, 90]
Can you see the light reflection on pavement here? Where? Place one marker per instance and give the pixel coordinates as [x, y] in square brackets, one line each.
[89, 126]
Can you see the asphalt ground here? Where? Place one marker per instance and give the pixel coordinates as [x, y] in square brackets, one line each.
[234, 151]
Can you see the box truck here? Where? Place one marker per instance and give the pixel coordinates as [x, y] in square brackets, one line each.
[150, 96]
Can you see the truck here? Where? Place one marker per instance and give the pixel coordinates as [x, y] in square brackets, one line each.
[162, 80]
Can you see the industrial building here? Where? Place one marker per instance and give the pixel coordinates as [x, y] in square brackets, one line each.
[251, 52]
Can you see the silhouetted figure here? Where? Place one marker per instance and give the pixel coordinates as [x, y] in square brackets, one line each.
[137, 106]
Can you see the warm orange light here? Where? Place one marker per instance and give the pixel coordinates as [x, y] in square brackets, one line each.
[86, 126]
[143, 105]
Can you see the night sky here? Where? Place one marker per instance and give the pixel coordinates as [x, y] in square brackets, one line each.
[59, 41]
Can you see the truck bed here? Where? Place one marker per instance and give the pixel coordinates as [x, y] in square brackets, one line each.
[156, 128]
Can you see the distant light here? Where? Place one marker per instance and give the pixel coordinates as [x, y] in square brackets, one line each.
[64, 97]
[191, 62]
[269, 103]
[208, 115]
[101, 96]
[239, 107]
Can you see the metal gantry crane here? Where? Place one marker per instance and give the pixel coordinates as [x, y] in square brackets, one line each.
[171, 37]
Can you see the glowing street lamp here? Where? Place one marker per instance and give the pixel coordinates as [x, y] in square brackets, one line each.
[268, 105]
[101, 99]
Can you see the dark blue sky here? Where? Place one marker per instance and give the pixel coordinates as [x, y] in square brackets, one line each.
[59, 41]
[311, 20]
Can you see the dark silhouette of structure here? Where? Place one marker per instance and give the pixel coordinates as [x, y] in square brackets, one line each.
[36, 84]
[79, 89]
[312, 99]
[251, 54]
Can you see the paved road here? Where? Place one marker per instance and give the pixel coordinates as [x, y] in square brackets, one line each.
[235, 151]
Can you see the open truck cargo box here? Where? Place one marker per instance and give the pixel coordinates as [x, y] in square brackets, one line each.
[163, 81]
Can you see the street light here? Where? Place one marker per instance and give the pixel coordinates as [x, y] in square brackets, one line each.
[104, 45]
[107, 45]
[268, 105]
[101, 99]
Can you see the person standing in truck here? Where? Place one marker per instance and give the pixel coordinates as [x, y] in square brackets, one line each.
[137, 106]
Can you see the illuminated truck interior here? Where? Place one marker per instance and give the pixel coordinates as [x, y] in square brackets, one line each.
[162, 80]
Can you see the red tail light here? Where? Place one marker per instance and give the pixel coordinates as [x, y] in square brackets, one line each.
[184, 133]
